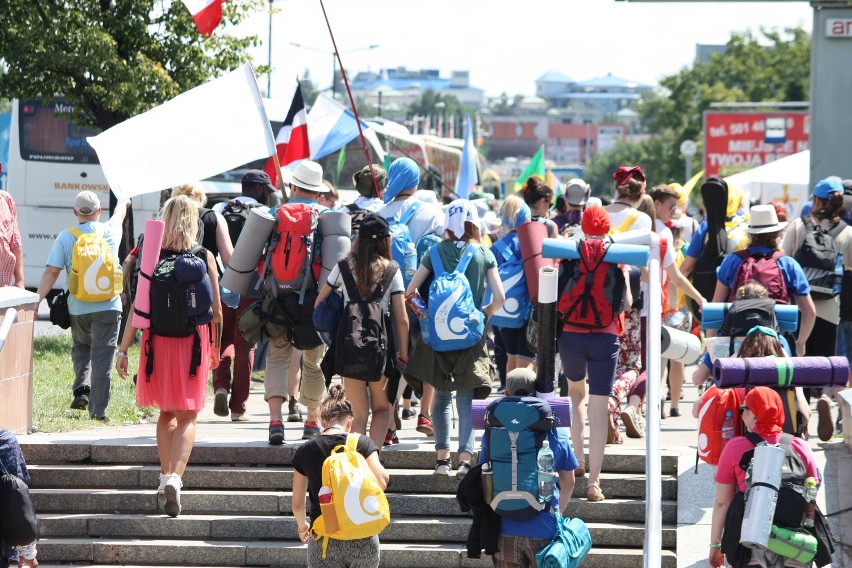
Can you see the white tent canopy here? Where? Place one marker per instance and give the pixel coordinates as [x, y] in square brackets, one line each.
[786, 179]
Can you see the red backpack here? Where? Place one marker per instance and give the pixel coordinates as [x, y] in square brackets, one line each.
[294, 264]
[764, 269]
[593, 291]
[713, 406]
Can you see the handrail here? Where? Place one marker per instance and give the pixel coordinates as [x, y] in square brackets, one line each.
[9, 318]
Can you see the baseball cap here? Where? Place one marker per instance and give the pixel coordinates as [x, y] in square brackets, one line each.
[87, 203]
[374, 227]
[520, 380]
[576, 192]
[824, 188]
[257, 177]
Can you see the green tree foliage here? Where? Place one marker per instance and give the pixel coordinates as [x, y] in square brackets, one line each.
[770, 67]
[113, 59]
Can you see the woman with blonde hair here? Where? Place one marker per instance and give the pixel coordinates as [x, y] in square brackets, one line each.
[172, 382]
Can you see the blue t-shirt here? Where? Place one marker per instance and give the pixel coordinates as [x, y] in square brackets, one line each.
[542, 525]
[696, 245]
[791, 271]
[60, 257]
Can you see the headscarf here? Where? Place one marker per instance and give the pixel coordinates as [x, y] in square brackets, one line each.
[768, 410]
[522, 216]
[403, 174]
[595, 221]
[460, 211]
[623, 174]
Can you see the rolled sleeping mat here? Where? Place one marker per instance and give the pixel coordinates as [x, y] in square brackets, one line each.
[241, 274]
[561, 407]
[531, 235]
[713, 316]
[635, 255]
[546, 349]
[781, 372]
[762, 497]
[679, 346]
[154, 230]
[336, 229]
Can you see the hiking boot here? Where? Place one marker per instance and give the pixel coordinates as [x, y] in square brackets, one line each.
[825, 426]
[462, 469]
[294, 414]
[220, 402]
[172, 492]
[632, 423]
[81, 399]
[276, 432]
[424, 425]
[311, 429]
[442, 467]
[408, 413]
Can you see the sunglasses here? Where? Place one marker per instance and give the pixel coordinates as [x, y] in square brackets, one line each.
[673, 207]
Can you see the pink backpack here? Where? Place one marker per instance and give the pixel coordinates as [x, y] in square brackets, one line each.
[764, 269]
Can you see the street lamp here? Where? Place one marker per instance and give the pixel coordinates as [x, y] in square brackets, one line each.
[333, 59]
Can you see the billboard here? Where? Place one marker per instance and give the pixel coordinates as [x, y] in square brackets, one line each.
[738, 141]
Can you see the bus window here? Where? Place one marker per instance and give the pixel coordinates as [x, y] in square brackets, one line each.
[46, 136]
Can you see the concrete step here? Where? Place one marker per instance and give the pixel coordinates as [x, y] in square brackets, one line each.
[280, 478]
[270, 502]
[258, 527]
[283, 554]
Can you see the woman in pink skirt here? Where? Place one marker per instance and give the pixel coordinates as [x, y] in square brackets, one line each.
[174, 382]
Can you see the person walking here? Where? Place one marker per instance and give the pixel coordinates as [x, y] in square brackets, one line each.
[12, 460]
[11, 250]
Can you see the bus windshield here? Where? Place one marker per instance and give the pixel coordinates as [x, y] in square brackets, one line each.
[47, 136]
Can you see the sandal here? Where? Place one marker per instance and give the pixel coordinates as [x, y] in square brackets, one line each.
[580, 471]
[594, 493]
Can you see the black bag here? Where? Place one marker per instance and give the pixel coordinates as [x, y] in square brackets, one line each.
[743, 315]
[817, 256]
[714, 192]
[18, 522]
[358, 215]
[59, 315]
[300, 316]
[236, 214]
[361, 345]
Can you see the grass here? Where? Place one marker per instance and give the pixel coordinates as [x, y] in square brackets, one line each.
[53, 376]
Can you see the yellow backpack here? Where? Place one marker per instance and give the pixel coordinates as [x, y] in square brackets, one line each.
[95, 275]
[356, 506]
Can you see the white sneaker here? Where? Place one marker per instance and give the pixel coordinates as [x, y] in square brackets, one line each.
[443, 468]
[161, 491]
[172, 492]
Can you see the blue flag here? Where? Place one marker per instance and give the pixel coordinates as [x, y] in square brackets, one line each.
[466, 179]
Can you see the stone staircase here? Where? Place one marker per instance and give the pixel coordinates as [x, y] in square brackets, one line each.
[97, 506]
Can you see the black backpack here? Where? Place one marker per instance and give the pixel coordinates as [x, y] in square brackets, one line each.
[818, 255]
[236, 214]
[18, 522]
[361, 344]
[358, 215]
[742, 315]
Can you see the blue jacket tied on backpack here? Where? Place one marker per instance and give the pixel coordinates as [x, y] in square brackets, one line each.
[454, 320]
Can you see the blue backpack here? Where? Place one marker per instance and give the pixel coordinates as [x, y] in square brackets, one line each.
[401, 238]
[425, 243]
[517, 308]
[516, 427]
[454, 321]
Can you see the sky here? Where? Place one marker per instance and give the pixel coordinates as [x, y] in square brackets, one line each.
[506, 45]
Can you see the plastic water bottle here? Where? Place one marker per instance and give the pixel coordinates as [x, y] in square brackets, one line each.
[545, 472]
[838, 274]
[728, 429]
[810, 502]
[410, 261]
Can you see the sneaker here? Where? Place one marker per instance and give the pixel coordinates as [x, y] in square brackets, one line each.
[462, 469]
[674, 412]
[632, 423]
[391, 438]
[220, 402]
[663, 414]
[311, 429]
[295, 414]
[415, 401]
[825, 426]
[102, 419]
[276, 432]
[172, 492]
[442, 467]
[239, 417]
[161, 491]
[81, 399]
[397, 423]
[408, 413]
[424, 425]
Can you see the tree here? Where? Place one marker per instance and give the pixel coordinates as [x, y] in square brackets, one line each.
[113, 59]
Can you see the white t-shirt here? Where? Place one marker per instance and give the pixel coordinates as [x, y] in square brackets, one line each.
[666, 235]
[335, 280]
[640, 221]
[429, 218]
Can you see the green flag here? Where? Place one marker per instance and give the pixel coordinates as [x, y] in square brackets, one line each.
[536, 166]
[341, 159]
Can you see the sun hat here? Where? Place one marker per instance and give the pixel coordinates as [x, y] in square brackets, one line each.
[764, 219]
[824, 188]
[595, 221]
[577, 192]
[459, 212]
[363, 181]
[519, 380]
[257, 177]
[308, 175]
[87, 203]
[403, 173]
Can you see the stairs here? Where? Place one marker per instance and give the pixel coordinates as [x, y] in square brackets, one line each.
[97, 506]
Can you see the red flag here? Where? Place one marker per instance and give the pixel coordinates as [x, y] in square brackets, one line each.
[292, 140]
[206, 13]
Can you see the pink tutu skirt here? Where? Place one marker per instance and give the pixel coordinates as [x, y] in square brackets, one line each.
[170, 387]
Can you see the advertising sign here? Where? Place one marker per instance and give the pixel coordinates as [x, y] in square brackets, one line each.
[738, 141]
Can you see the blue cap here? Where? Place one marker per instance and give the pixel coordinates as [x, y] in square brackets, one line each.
[826, 187]
[403, 174]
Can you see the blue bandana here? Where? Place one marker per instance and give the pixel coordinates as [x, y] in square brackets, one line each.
[764, 330]
[403, 173]
[522, 216]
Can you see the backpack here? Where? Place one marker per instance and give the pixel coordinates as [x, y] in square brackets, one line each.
[425, 243]
[713, 406]
[592, 289]
[516, 427]
[262, 320]
[294, 263]
[357, 507]
[358, 215]
[236, 214]
[95, 274]
[516, 310]
[761, 268]
[818, 256]
[361, 346]
[181, 300]
[742, 315]
[18, 522]
[454, 320]
[401, 237]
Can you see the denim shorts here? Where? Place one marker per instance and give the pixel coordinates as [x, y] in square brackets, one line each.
[597, 352]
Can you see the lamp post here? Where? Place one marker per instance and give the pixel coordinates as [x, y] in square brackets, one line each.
[333, 59]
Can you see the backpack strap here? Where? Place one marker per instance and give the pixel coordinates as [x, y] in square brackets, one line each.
[437, 264]
[404, 219]
[503, 248]
[349, 282]
[75, 232]
[466, 257]
[352, 441]
[384, 282]
[628, 221]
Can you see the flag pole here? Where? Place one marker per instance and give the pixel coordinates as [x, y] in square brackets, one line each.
[280, 176]
[351, 101]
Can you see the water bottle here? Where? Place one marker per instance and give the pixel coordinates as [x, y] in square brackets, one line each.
[728, 429]
[410, 262]
[838, 274]
[545, 472]
[810, 503]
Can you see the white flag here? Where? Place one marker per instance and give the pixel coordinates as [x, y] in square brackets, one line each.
[208, 130]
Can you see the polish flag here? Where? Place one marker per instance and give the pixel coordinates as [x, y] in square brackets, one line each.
[206, 13]
[292, 140]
